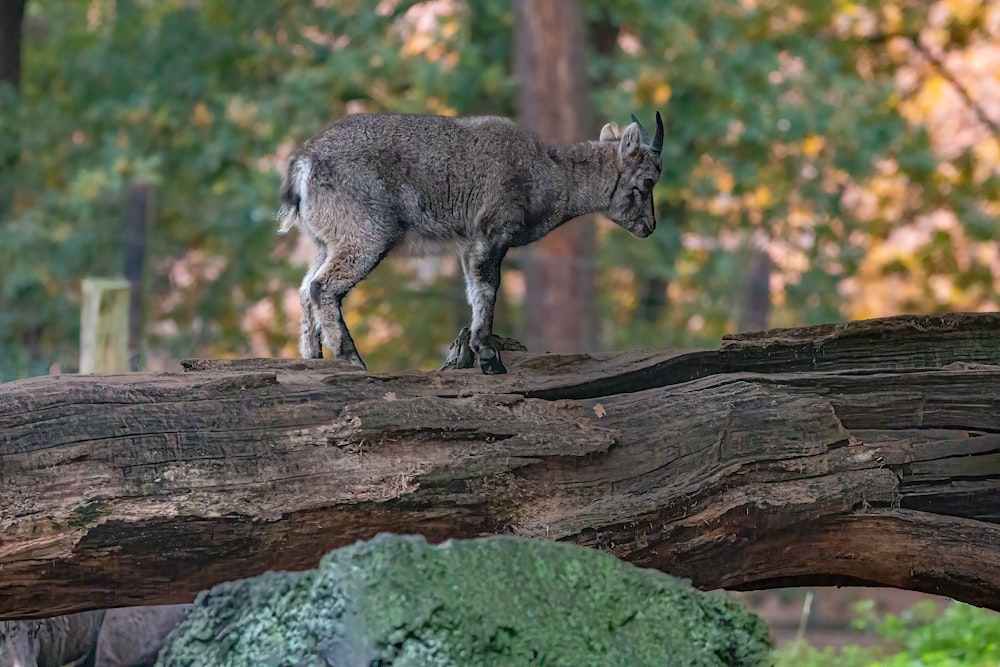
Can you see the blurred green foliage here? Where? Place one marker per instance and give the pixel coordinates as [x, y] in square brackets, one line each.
[777, 105]
[923, 636]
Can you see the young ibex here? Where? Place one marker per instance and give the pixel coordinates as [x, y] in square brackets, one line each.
[478, 186]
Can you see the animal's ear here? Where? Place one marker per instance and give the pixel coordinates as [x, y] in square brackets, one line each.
[631, 141]
[642, 130]
[609, 132]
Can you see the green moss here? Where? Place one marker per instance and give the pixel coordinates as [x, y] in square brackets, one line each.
[494, 601]
[85, 516]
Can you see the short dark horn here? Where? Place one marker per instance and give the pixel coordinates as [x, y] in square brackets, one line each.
[658, 139]
[642, 131]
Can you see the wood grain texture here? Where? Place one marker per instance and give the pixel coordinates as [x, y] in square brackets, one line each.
[864, 453]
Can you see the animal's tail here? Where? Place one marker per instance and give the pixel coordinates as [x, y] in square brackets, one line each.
[293, 193]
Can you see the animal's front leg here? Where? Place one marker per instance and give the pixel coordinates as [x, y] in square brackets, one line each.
[481, 265]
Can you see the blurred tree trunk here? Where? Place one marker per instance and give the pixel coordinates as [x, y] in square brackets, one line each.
[137, 216]
[758, 305]
[11, 25]
[549, 61]
[11, 22]
[754, 297]
[653, 299]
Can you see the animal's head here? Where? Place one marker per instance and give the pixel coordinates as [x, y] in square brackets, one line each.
[639, 168]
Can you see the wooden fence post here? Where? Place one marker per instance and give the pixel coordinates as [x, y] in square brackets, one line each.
[104, 316]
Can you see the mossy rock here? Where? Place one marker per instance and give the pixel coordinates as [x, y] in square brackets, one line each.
[397, 600]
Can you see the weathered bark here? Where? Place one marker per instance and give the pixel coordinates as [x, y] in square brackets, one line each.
[550, 65]
[863, 453]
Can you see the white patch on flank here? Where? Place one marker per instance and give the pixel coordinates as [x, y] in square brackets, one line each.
[300, 186]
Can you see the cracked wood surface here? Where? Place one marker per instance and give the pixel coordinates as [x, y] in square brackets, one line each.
[861, 453]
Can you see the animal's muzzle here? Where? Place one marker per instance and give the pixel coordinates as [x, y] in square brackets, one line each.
[642, 230]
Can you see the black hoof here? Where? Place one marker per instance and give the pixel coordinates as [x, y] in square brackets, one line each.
[354, 358]
[489, 361]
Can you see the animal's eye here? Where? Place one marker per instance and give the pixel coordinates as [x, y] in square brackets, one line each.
[648, 184]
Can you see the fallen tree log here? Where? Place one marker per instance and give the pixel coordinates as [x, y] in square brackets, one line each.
[865, 453]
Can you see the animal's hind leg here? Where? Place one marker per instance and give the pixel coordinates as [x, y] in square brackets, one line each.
[311, 337]
[346, 265]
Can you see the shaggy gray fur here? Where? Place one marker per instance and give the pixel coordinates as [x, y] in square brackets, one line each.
[474, 186]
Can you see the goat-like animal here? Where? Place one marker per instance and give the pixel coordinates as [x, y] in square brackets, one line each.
[477, 186]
